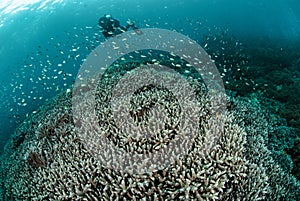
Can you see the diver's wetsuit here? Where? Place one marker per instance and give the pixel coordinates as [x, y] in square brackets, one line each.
[111, 27]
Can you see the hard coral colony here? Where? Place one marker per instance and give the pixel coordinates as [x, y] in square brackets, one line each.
[58, 166]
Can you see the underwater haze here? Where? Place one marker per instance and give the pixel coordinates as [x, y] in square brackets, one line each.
[32, 32]
[254, 44]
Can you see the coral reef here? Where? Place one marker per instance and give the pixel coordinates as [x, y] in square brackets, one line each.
[34, 160]
[52, 162]
[262, 67]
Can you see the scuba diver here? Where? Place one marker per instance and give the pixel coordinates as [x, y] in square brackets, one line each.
[111, 27]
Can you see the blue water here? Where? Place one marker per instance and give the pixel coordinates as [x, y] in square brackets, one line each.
[37, 38]
[254, 43]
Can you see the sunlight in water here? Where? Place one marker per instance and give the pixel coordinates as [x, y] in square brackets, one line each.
[13, 6]
[9, 7]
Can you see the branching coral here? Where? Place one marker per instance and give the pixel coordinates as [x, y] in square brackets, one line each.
[239, 166]
[34, 160]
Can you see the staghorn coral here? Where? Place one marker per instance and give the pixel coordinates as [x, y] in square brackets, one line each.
[34, 160]
[238, 167]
